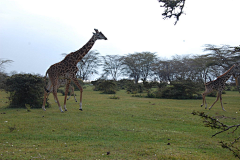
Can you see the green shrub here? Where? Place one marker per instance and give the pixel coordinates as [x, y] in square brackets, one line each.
[25, 89]
[124, 83]
[179, 89]
[106, 86]
[135, 88]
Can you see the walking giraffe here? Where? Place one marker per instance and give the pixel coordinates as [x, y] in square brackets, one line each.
[219, 85]
[67, 69]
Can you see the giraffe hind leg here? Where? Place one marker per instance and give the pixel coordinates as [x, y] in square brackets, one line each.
[55, 96]
[47, 91]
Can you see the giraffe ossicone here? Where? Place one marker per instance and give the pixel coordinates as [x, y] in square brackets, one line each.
[67, 69]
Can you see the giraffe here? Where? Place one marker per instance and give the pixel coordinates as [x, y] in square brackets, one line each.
[62, 82]
[67, 69]
[219, 85]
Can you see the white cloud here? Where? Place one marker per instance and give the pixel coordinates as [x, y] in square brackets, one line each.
[35, 33]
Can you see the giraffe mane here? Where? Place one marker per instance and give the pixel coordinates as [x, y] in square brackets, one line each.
[220, 76]
[226, 72]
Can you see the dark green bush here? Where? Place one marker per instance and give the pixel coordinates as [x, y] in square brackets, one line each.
[134, 88]
[25, 90]
[124, 83]
[106, 86]
[179, 89]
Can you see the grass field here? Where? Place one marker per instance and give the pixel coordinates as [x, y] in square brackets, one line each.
[125, 128]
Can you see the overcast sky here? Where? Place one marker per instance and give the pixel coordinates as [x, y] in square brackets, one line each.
[34, 33]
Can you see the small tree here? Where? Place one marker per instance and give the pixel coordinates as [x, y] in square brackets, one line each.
[214, 123]
[25, 89]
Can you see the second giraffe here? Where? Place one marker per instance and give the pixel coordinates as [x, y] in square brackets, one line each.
[219, 85]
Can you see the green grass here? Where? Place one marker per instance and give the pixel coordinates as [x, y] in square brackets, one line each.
[128, 128]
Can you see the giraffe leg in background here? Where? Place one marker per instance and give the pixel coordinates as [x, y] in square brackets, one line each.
[66, 93]
[206, 92]
[81, 90]
[72, 93]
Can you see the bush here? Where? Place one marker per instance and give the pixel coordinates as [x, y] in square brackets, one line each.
[124, 83]
[179, 89]
[25, 90]
[134, 88]
[106, 86]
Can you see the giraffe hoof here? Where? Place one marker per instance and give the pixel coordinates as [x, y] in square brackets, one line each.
[80, 109]
[65, 109]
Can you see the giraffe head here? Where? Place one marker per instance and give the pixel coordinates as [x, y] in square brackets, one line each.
[99, 35]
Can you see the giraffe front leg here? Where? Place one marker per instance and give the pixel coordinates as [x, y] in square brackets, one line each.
[55, 95]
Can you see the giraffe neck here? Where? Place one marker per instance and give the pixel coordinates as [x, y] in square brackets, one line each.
[76, 56]
[227, 74]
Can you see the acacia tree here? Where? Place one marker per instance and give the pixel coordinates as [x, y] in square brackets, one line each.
[221, 58]
[147, 61]
[138, 65]
[89, 65]
[163, 70]
[112, 65]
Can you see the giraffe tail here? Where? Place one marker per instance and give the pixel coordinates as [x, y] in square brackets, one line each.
[45, 88]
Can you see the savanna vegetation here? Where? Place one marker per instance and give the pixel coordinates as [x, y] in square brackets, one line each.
[124, 128]
[126, 124]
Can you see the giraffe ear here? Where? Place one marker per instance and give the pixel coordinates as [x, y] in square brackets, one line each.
[93, 33]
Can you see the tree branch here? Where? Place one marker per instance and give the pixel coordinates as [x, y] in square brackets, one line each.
[216, 124]
[172, 8]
